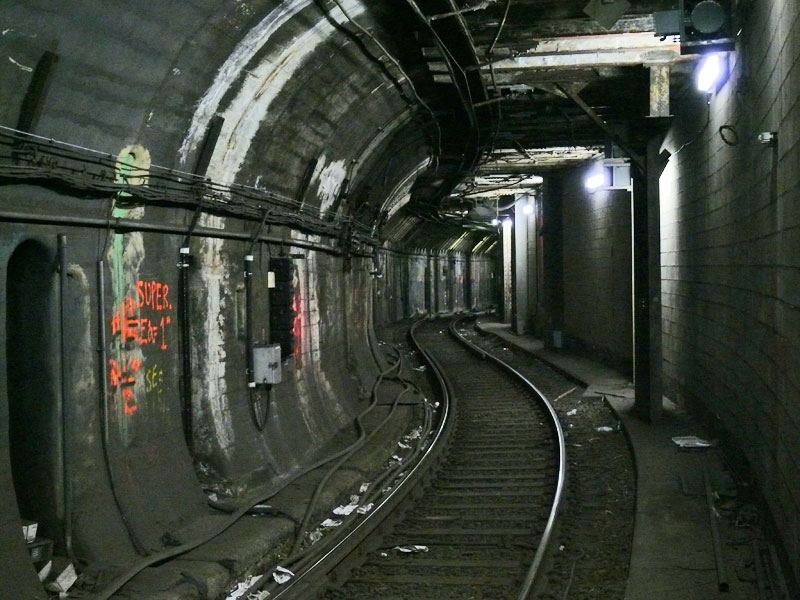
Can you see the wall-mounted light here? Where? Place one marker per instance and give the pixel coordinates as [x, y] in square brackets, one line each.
[595, 180]
[709, 73]
[495, 222]
[528, 208]
[712, 73]
[610, 174]
[507, 223]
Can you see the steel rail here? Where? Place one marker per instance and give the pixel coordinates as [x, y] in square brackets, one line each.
[533, 573]
[348, 542]
[343, 547]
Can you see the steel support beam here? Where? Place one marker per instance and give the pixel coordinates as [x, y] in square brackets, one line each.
[659, 90]
[519, 262]
[647, 284]
[575, 97]
[623, 49]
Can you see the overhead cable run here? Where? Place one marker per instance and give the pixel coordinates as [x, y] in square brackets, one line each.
[399, 67]
[498, 97]
[26, 158]
[466, 79]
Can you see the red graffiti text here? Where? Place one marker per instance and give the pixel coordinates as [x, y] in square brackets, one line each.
[123, 376]
[153, 294]
[139, 321]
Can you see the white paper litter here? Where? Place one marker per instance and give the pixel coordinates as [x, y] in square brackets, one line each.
[331, 523]
[362, 510]
[397, 458]
[345, 509]
[45, 570]
[605, 429]
[420, 368]
[413, 549]
[573, 412]
[314, 536]
[64, 580]
[364, 487]
[282, 575]
[416, 434]
[403, 445]
[29, 529]
[692, 441]
[242, 587]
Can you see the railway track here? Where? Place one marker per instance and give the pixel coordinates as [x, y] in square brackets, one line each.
[474, 514]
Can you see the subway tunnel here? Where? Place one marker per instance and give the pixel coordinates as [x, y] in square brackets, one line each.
[211, 211]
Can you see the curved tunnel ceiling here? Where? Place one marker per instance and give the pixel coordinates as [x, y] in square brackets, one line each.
[401, 111]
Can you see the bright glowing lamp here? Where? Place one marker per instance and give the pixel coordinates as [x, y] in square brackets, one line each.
[495, 222]
[507, 223]
[528, 208]
[709, 74]
[595, 180]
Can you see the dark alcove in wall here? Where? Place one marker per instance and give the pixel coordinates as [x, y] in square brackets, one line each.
[33, 387]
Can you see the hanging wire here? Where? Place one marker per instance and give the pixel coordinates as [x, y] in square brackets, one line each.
[397, 65]
[500, 26]
[452, 65]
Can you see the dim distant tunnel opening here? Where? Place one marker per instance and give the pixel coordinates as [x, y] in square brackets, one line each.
[33, 391]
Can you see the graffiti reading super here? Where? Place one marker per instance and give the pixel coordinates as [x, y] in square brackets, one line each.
[140, 320]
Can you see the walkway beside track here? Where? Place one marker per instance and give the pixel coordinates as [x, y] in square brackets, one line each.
[673, 552]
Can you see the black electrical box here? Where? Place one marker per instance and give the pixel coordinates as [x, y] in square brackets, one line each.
[282, 305]
[706, 26]
[703, 25]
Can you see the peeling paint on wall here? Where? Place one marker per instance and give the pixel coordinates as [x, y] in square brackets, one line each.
[384, 133]
[211, 362]
[21, 66]
[250, 106]
[233, 67]
[330, 178]
[401, 193]
[310, 378]
[84, 383]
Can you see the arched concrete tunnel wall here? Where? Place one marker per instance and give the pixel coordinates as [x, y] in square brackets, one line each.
[311, 122]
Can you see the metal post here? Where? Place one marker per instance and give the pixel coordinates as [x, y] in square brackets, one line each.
[647, 284]
[659, 90]
[65, 408]
[519, 321]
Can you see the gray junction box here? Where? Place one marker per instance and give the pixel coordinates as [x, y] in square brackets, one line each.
[267, 364]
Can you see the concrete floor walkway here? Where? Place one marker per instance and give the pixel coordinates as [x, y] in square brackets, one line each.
[673, 552]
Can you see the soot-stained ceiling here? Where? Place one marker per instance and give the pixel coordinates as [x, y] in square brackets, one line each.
[524, 87]
[362, 119]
